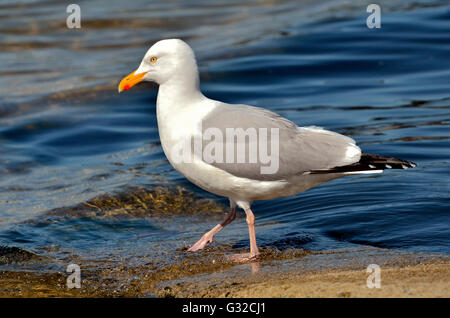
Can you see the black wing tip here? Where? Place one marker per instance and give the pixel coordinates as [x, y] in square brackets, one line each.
[386, 162]
[370, 162]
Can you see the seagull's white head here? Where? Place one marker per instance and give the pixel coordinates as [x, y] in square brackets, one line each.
[169, 60]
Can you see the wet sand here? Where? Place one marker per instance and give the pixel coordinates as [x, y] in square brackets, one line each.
[429, 279]
[285, 274]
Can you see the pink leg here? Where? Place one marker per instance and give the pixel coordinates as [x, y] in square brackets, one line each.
[251, 230]
[208, 237]
[254, 252]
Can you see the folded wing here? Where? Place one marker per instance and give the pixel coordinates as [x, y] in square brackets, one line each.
[300, 149]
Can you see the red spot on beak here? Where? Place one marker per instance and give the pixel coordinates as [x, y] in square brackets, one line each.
[126, 87]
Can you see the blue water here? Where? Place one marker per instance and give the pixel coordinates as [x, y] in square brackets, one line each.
[66, 136]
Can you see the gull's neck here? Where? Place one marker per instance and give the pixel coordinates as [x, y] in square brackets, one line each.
[179, 96]
[179, 91]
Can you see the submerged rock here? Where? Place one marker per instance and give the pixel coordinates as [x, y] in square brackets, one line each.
[141, 202]
[10, 255]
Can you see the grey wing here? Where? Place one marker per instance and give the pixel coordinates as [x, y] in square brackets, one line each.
[300, 149]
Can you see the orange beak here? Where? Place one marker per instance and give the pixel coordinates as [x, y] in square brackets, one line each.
[129, 81]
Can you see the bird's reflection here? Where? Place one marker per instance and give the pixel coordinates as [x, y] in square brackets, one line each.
[255, 267]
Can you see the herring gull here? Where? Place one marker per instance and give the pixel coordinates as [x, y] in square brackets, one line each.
[241, 152]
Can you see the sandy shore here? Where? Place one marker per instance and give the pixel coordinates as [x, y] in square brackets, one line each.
[430, 279]
[328, 274]
[324, 274]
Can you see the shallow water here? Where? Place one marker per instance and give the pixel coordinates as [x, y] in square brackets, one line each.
[82, 172]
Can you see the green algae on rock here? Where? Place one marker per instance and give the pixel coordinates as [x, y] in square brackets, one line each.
[142, 202]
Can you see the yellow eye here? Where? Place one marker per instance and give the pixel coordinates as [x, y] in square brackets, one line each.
[153, 59]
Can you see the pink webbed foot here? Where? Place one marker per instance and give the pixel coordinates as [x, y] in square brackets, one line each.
[201, 243]
[208, 237]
